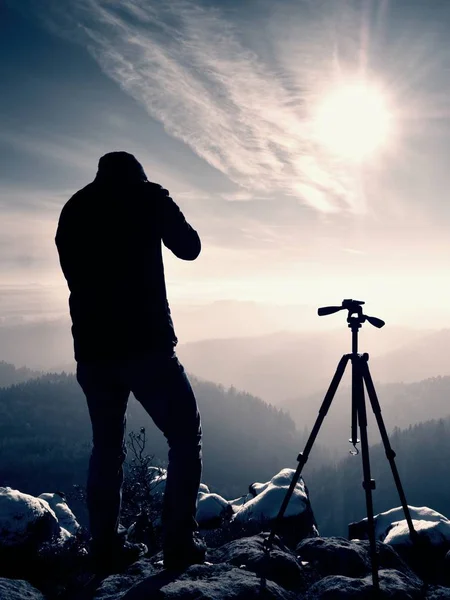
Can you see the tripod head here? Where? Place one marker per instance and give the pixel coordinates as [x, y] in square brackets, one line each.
[355, 317]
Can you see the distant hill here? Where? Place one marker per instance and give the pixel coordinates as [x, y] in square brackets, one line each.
[401, 404]
[421, 358]
[45, 436]
[40, 345]
[288, 364]
[47, 344]
[286, 350]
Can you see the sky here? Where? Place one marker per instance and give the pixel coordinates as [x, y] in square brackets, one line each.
[224, 104]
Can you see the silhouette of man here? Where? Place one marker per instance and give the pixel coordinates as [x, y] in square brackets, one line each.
[109, 242]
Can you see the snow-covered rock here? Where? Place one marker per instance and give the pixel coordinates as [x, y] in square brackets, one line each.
[158, 479]
[25, 521]
[437, 533]
[17, 589]
[257, 511]
[427, 556]
[269, 496]
[385, 521]
[65, 516]
[212, 509]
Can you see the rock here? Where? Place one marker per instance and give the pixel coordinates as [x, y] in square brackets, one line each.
[268, 497]
[203, 582]
[339, 556]
[157, 478]
[393, 585]
[427, 555]
[262, 509]
[17, 589]
[438, 593]
[437, 533]
[142, 531]
[386, 520]
[447, 568]
[115, 586]
[212, 510]
[26, 522]
[65, 516]
[279, 566]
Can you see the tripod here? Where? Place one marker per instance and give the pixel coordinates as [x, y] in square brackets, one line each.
[360, 376]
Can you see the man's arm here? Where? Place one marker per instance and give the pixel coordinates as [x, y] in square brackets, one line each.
[177, 234]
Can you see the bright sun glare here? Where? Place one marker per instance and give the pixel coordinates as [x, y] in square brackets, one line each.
[353, 121]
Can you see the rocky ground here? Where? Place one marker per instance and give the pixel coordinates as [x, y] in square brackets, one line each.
[43, 556]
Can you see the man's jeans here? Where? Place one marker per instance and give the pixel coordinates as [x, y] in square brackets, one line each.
[160, 384]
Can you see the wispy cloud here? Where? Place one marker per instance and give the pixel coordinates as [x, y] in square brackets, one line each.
[190, 68]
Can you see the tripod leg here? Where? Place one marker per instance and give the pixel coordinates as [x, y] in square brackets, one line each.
[390, 454]
[303, 456]
[369, 483]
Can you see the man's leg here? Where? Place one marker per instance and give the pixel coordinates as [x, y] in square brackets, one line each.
[107, 400]
[160, 384]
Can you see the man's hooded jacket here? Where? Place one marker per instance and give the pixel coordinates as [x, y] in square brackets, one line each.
[109, 242]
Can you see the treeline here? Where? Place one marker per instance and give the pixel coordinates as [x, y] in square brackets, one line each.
[423, 460]
[10, 375]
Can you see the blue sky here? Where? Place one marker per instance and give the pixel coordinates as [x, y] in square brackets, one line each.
[217, 101]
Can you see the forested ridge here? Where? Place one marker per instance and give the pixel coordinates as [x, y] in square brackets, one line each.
[45, 436]
[423, 461]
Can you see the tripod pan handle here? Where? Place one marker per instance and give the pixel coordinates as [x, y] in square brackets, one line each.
[328, 310]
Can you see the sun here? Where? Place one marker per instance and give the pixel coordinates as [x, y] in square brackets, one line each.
[353, 121]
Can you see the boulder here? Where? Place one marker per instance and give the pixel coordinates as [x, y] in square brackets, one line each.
[393, 586]
[339, 556]
[208, 582]
[427, 555]
[437, 533]
[262, 509]
[115, 586]
[268, 497]
[26, 522]
[386, 520]
[280, 565]
[17, 589]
